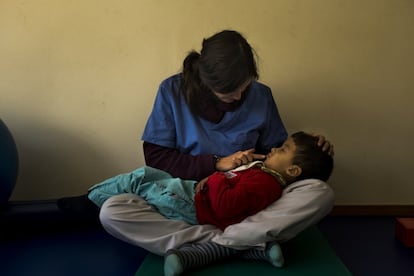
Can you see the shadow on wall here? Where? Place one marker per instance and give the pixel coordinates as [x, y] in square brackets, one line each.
[55, 162]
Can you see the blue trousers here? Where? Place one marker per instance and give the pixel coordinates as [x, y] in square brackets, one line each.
[173, 197]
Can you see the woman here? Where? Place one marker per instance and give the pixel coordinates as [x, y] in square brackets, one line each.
[207, 117]
[212, 116]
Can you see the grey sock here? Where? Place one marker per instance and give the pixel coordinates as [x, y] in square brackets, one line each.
[272, 254]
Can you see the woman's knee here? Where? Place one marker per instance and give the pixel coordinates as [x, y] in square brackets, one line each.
[113, 207]
[123, 207]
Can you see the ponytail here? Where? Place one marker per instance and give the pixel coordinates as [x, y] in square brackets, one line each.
[195, 91]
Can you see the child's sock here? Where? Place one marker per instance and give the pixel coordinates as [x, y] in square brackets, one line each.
[272, 254]
[193, 255]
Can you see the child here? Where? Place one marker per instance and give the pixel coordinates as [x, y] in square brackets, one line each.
[298, 158]
[224, 198]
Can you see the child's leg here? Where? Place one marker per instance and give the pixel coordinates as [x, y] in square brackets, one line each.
[194, 255]
[89, 204]
[133, 182]
[79, 206]
[272, 254]
[174, 199]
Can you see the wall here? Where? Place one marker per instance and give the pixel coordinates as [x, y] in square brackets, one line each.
[78, 79]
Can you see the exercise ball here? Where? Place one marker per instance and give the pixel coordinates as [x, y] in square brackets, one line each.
[9, 163]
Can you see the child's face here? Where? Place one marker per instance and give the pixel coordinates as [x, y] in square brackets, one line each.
[280, 159]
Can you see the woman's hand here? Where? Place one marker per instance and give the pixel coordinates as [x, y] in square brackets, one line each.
[237, 159]
[325, 144]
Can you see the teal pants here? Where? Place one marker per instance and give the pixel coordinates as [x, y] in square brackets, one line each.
[173, 197]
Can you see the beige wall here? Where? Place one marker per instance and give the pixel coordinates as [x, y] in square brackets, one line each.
[78, 79]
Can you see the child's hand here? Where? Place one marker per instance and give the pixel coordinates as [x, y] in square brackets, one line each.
[201, 186]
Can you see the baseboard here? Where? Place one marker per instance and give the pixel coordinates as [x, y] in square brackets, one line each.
[373, 210]
[29, 207]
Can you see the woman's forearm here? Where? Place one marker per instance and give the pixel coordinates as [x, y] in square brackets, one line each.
[178, 164]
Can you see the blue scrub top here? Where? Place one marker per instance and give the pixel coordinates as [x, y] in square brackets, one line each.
[255, 124]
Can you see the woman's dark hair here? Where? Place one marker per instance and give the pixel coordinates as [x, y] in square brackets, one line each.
[315, 162]
[225, 63]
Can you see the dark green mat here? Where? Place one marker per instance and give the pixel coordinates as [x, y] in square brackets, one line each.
[307, 254]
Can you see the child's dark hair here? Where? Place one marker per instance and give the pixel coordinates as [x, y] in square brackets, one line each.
[315, 162]
[225, 63]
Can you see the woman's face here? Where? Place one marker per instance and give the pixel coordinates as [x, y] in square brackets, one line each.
[235, 95]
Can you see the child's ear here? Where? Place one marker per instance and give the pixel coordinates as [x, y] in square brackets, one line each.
[294, 171]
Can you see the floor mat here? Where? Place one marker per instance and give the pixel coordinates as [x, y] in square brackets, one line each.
[307, 254]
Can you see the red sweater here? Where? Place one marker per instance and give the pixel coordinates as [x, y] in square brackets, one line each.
[233, 196]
